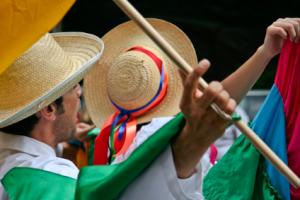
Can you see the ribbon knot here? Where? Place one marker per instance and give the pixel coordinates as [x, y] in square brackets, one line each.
[119, 130]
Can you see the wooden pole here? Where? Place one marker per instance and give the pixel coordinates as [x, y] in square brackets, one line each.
[170, 51]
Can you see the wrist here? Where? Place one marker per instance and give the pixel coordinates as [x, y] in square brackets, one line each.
[187, 151]
[265, 53]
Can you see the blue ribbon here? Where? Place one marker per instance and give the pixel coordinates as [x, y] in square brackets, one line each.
[124, 112]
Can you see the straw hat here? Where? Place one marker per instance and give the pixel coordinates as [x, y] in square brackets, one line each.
[46, 71]
[130, 78]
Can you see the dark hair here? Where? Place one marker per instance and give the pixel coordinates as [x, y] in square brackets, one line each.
[25, 126]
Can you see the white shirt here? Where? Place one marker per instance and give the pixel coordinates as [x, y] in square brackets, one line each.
[161, 176]
[21, 151]
[159, 181]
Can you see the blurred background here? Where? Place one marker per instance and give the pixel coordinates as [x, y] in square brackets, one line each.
[226, 32]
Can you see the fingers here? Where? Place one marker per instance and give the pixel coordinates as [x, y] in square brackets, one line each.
[209, 94]
[287, 27]
[191, 82]
[226, 103]
[296, 24]
[212, 119]
[215, 93]
[273, 30]
[195, 101]
[230, 106]
[82, 129]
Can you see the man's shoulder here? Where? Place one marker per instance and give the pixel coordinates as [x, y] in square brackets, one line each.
[53, 164]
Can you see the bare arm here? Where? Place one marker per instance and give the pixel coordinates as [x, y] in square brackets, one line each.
[242, 80]
[203, 125]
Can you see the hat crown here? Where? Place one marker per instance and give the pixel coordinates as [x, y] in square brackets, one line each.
[36, 71]
[133, 79]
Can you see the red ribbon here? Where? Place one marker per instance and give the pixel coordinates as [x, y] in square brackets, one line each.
[102, 142]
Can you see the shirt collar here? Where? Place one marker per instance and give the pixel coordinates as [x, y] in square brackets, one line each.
[24, 144]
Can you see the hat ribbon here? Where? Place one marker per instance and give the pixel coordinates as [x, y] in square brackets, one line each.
[119, 130]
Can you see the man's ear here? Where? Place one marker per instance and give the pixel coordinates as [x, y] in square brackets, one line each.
[48, 112]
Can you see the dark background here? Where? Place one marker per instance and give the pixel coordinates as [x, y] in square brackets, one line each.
[227, 32]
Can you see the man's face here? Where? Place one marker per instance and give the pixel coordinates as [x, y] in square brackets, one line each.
[65, 123]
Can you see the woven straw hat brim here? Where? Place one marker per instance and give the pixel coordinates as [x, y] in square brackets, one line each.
[117, 41]
[83, 51]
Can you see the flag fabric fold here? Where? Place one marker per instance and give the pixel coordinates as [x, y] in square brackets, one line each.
[243, 173]
[288, 83]
[23, 183]
[22, 23]
[105, 182]
[109, 181]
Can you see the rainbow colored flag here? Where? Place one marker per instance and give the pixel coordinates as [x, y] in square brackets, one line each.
[243, 173]
[22, 23]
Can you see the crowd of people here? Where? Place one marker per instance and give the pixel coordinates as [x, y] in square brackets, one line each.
[131, 90]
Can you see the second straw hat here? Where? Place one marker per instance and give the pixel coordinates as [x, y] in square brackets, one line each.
[130, 79]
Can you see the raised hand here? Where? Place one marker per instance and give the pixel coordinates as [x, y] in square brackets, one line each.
[203, 125]
[277, 32]
[82, 129]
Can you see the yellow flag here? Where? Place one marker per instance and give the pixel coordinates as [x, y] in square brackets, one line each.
[23, 22]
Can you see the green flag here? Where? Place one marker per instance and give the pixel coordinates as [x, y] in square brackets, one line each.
[239, 175]
[22, 183]
[103, 182]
